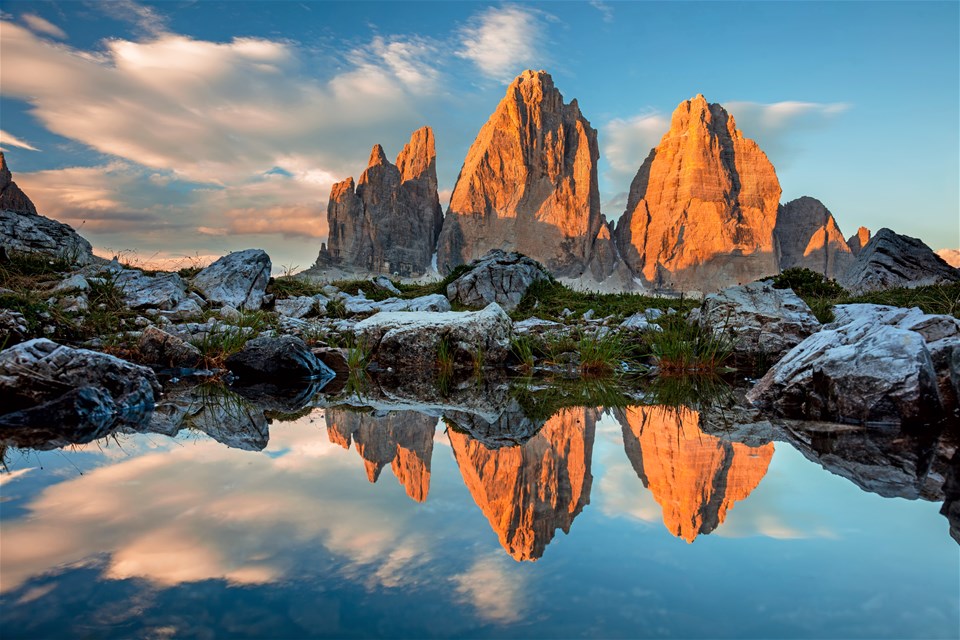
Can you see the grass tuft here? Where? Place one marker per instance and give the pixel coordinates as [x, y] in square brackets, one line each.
[683, 347]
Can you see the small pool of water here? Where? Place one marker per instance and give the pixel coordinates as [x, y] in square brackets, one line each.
[362, 522]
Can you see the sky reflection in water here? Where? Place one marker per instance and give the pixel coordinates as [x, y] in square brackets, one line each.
[184, 536]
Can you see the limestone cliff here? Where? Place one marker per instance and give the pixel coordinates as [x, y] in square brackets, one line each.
[807, 235]
[859, 240]
[529, 491]
[696, 478]
[402, 439]
[702, 208]
[11, 197]
[528, 183]
[389, 221]
[891, 260]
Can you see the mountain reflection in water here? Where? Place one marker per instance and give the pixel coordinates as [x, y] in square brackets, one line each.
[254, 491]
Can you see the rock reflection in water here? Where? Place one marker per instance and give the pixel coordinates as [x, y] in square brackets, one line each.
[695, 478]
[402, 439]
[529, 491]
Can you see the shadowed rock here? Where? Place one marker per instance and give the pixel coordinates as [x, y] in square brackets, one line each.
[11, 196]
[269, 359]
[891, 260]
[807, 235]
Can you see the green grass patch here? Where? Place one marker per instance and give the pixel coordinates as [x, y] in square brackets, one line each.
[687, 348]
[291, 287]
[601, 355]
[548, 300]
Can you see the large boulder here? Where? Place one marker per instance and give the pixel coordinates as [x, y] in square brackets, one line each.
[875, 364]
[496, 277]
[411, 340]
[237, 279]
[762, 320]
[359, 304]
[280, 358]
[166, 291]
[891, 260]
[160, 348]
[40, 371]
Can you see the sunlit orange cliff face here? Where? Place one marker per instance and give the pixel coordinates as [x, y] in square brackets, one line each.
[403, 439]
[694, 477]
[529, 491]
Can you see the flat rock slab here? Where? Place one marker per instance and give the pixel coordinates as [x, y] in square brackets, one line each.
[237, 279]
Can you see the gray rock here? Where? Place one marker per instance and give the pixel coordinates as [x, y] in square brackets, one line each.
[760, 319]
[217, 411]
[510, 428]
[640, 322]
[165, 291]
[410, 340]
[229, 313]
[298, 307]
[75, 417]
[806, 235]
[37, 234]
[359, 304]
[75, 282]
[383, 282]
[161, 348]
[281, 358]
[238, 279]
[891, 260]
[13, 325]
[38, 371]
[868, 367]
[496, 277]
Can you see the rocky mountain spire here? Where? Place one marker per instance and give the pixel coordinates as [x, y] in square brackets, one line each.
[528, 183]
[859, 240]
[702, 208]
[11, 197]
[807, 236]
[389, 221]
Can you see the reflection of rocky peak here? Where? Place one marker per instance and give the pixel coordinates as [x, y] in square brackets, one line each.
[528, 183]
[694, 477]
[390, 222]
[402, 439]
[807, 235]
[701, 210]
[529, 491]
[11, 197]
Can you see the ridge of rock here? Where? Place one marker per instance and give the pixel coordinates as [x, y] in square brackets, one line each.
[389, 221]
[11, 197]
[702, 208]
[528, 183]
[858, 241]
[807, 235]
[892, 260]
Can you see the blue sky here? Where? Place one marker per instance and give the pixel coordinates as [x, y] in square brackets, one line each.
[177, 129]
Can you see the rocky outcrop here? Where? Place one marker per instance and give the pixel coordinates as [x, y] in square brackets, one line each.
[238, 279]
[11, 197]
[23, 230]
[702, 208]
[496, 277]
[858, 241]
[402, 439]
[157, 347]
[390, 222]
[527, 492]
[35, 375]
[410, 341]
[277, 359]
[875, 364]
[891, 260]
[359, 303]
[528, 183]
[696, 478]
[807, 236]
[761, 320]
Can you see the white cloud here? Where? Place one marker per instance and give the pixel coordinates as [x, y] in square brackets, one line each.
[41, 25]
[503, 41]
[628, 141]
[604, 8]
[494, 591]
[144, 18]
[7, 138]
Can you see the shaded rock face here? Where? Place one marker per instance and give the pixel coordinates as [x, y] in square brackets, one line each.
[238, 279]
[509, 426]
[762, 320]
[807, 236]
[696, 478]
[496, 277]
[875, 364]
[160, 348]
[528, 183]
[529, 491]
[702, 208]
[402, 439]
[410, 341]
[280, 358]
[39, 371]
[390, 222]
[23, 230]
[11, 197]
[891, 260]
[858, 241]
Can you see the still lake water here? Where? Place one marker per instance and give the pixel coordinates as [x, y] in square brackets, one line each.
[607, 523]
